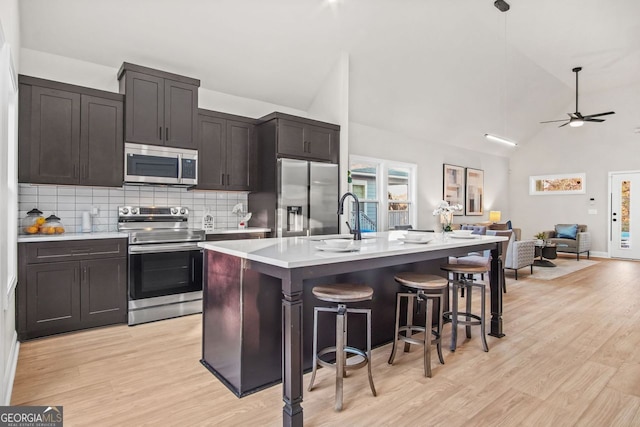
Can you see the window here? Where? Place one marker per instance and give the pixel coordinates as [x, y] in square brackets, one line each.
[384, 186]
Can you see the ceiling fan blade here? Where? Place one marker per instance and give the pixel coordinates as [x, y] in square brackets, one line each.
[578, 115]
[598, 115]
[563, 125]
[553, 121]
[589, 119]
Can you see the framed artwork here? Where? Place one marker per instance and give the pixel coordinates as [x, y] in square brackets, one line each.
[475, 192]
[453, 186]
[570, 183]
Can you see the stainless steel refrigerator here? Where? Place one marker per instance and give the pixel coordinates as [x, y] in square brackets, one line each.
[307, 198]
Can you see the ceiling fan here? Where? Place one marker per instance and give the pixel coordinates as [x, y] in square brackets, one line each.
[576, 119]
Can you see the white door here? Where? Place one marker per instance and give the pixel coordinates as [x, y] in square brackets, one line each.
[624, 217]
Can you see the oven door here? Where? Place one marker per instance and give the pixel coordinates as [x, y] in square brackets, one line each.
[164, 269]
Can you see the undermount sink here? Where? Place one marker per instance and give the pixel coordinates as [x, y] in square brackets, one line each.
[340, 237]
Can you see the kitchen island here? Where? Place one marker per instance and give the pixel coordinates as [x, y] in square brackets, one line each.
[257, 301]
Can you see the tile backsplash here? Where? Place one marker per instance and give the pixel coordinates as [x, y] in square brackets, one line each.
[69, 202]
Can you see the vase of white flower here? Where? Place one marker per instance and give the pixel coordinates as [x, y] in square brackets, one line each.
[445, 211]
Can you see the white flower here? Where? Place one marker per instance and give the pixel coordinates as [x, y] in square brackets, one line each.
[444, 207]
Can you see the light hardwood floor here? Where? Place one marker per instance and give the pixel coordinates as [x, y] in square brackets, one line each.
[571, 356]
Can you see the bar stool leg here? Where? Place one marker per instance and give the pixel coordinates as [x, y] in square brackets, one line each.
[454, 316]
[482, 320]
[409, 332]
[373, 389]
[427, 337]
[340, 356]
[469, 294]
[315, 348]
[440, 316]
[395, 331]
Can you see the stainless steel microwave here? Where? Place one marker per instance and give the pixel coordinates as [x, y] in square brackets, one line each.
[150, 164]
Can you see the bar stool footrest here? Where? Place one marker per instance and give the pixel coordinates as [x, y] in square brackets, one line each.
[349, 350]
[464, 318]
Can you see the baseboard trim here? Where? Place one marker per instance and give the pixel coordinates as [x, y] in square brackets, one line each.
[597, 254]
[10, 369]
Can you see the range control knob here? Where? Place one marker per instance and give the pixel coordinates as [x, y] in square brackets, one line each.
[125, 211]
[174, 211]
[134, 211]
[183, 211]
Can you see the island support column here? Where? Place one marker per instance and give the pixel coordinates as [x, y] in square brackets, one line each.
[292, 350]
[496, 282]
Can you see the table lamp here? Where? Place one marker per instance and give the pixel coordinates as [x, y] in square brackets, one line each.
[494, 216]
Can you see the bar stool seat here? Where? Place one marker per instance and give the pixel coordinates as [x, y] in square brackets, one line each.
[421, 287]
[463, 279]
[342, 293]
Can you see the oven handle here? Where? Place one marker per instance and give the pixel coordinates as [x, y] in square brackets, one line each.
[163, 247]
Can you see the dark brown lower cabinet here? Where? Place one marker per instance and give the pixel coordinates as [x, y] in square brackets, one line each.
[72, 285]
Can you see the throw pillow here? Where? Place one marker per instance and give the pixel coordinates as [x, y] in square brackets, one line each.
[567, 231]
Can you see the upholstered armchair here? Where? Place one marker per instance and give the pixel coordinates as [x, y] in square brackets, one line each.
[520, 254]
[571, 238]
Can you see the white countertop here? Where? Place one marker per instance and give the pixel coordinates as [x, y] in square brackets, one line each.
[27, 238]
[241, 230]
[294, 252]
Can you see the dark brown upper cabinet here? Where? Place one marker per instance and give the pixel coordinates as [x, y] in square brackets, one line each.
[227, 151]
[69, 134]
[306, 139]
[160, 108]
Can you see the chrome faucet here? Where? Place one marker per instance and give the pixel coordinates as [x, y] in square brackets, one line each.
[357, 235]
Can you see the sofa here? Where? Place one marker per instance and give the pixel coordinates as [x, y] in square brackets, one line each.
[570, 238]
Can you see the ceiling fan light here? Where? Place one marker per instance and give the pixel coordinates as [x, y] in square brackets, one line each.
[576, 123]
[499, 139]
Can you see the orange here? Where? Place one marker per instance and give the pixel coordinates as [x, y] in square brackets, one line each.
[40, 220]
[51, 230]
[59, 230]
[31, 230]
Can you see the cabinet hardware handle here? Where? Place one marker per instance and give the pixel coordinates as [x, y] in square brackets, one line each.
[160, 133]
[222, 179]
[193, 270]
[166, 133]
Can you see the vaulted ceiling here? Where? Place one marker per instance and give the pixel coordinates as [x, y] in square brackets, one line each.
[442, 71]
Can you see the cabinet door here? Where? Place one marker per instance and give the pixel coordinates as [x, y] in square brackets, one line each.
[240, 149]
[321, 143]
[55, 136]
[104, 291]
[53, 297]
[180, 114]
[144, 109]
[101, 142]
[212, 153]
[291, 139]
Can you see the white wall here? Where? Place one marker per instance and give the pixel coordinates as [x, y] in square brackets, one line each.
[429, 156]
[68, 70]
[10, 36]
[595, 148]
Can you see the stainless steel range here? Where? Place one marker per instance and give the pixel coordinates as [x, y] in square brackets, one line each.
[165, 263]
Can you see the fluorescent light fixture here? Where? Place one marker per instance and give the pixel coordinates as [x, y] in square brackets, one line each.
[499, 139]
[576, 123]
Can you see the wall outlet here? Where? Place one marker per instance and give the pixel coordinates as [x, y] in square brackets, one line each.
[95, 210]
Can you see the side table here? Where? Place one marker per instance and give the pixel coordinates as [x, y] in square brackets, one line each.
[546, 251]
